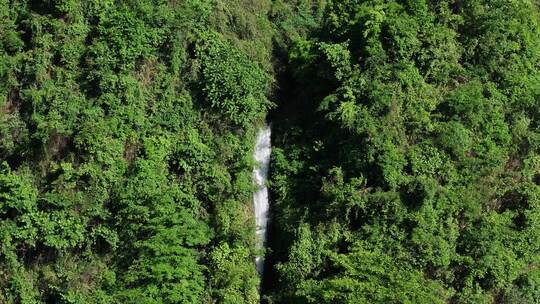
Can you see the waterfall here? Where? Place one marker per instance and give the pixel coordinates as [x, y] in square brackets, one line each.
[260, 197]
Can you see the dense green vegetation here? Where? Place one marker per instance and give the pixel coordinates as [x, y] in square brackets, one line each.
[405, 167]
[412, 174]
[125, 138]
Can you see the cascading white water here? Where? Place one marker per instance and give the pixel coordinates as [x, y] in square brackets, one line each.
[263, 149]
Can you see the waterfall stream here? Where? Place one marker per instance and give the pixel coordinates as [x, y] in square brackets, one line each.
[260, 197]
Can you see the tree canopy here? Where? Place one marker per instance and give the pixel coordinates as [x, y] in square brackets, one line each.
[405, 165]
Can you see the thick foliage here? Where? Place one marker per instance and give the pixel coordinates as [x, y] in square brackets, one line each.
[405, 167]
[412, 174]
[125, 134]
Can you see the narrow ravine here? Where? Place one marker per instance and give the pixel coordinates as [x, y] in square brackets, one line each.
[260, 197]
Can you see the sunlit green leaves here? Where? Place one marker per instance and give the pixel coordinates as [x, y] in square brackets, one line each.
[231, 83]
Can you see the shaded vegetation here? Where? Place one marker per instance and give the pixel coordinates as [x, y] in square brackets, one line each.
[409, 175]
